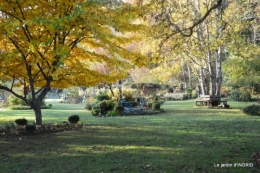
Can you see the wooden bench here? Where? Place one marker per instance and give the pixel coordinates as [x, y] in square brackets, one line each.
[202, 103]
[210, 100]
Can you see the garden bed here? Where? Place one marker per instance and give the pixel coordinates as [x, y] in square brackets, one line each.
[14, 130]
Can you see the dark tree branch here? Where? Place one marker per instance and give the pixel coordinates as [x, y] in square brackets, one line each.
[187, 32]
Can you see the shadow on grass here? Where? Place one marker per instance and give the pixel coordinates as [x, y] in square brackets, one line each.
[183, 139]
[155, 144]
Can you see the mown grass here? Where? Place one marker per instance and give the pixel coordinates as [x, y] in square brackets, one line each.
[184, 139]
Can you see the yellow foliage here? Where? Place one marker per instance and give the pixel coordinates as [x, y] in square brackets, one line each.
[59, 41]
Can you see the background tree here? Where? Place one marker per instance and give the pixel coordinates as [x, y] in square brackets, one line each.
[207, 33]
[52, 43]
[105, 69]
[242, 72]
[142, 75]
[242, 68]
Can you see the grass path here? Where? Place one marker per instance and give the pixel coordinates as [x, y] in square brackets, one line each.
[183, 139]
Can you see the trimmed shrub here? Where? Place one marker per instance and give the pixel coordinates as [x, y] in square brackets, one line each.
[107, 105]
[119, 109]
[21, 122]
[30, 128]
[73, 119]
[156, 106]
[170, 90]
[102, 96]
[96, 110]
[194, 95]
[252, 110]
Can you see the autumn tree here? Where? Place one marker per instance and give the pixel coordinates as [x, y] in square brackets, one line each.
[199, 33]
[52, 43]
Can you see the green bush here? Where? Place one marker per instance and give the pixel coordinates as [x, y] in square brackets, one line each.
[245, 96]
[234, 95]
[170, 90]
[112, 113]
[119, 109]
[88, 106]
[156, 106]
[21, 122]
[107, 105]
[185, 97]
[189, 91]
[102, 96]
[30, 128]
[20, 107]
[14, 101]
[238, 95]
[73, 119]
[252, 110]
[128, 95]
[96, 110]
[150, 105]
[194, 95]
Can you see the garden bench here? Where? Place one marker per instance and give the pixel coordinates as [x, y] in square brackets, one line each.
[210, 100]
[199, 103]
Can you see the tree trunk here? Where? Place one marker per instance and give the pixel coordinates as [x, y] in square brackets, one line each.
[111, 89]
[219, 71]
[189, 75]
[37, 98]
[220, 51]
[93, 91]
[184, 75]
[202, 82]
[38, 113]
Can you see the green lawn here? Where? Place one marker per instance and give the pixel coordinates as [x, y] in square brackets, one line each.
[183, 139]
